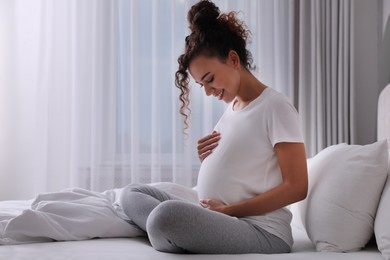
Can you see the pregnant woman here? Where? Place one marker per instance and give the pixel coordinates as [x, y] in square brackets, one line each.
[253, 163]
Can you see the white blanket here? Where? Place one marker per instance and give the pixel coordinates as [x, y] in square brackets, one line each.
[73, 214]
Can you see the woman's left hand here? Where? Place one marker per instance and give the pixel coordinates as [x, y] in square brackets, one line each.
[214, 205]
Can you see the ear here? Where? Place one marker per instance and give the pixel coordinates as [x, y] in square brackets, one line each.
[234, 59]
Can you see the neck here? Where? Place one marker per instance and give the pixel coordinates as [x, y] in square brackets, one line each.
[250, 88]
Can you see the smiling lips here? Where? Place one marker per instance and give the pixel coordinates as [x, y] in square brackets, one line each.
[220, 95]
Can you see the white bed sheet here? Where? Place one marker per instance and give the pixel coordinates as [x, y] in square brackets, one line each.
[139, 248]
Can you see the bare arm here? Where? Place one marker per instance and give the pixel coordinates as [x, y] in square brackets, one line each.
[292, 162]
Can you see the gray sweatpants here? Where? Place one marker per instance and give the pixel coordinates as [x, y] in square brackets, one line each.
[177, 226]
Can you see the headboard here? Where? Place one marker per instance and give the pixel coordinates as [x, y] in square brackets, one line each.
[384, 114]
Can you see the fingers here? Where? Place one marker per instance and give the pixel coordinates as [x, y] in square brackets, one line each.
[206, 150]
[212, 204]
[204, 203]
[207, 144]
[207, 137]
[204, 155]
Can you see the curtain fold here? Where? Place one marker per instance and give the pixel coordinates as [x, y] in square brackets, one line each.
[90, 94]
[88, 97]
[325, 73]
[274, 41]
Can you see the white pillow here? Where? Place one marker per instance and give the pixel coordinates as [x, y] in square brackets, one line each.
[382, 227]
[345, 184]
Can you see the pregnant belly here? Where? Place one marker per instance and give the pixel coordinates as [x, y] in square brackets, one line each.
[217, 184]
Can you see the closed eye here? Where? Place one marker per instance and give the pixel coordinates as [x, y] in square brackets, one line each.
[210, 80]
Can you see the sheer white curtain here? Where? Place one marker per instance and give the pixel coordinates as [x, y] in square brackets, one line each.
[58, 94]
[87, 88]
[87, 94]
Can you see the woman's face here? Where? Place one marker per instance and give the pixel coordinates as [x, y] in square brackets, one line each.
[220, 79]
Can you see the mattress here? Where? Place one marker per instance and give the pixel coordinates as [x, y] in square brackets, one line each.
[139, 248]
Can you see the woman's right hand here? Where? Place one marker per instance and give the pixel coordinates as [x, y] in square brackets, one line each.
[207, 144]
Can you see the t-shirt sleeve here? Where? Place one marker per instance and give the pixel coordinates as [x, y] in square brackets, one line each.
[283, 122]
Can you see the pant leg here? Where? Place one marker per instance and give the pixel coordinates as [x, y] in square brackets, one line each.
[138, 200]
[181, 227]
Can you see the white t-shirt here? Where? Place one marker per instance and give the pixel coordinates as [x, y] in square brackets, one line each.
[244, 163]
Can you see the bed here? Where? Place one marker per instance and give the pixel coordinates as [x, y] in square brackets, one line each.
[358, 207]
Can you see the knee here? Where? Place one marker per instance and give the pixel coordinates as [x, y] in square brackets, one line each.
[164, 215]
[165, 224]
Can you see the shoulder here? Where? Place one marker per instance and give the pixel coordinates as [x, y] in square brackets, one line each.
[277, 101]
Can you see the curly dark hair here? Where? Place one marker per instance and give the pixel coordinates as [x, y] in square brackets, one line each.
[212, 34]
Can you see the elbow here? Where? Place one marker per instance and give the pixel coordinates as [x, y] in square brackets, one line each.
[303, 187]
[297, 193]
[302, 191]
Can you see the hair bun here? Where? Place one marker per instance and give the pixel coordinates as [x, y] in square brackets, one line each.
[203, 15]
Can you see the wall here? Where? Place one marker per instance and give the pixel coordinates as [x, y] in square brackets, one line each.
[384, 44]
[370, 64]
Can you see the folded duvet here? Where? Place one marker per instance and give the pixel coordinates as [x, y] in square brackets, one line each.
[73, 214]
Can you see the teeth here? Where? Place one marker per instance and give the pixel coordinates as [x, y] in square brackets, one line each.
[219, 96]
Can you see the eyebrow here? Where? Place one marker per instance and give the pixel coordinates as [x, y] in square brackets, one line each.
[207, 73]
